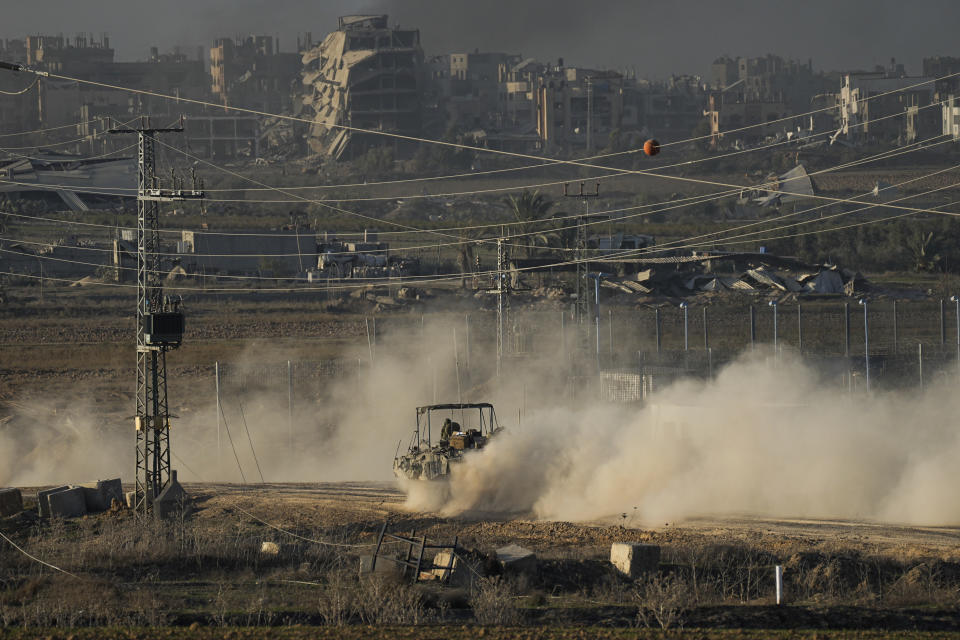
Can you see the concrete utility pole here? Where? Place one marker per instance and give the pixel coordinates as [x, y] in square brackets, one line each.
[503, 304]
[160, 322]
[589, 115]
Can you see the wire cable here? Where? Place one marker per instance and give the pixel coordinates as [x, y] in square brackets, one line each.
[250, 440]
[441, 142]
[35, 82]
[36, 559]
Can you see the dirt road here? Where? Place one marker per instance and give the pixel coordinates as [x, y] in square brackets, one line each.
[362, 507]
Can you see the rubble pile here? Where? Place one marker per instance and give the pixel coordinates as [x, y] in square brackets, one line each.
[695, 278]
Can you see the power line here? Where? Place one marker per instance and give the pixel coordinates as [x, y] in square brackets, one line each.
[44, 130]
[180, 99]
[451, 277]
[673, 245]
[491, 225]
[617, 172]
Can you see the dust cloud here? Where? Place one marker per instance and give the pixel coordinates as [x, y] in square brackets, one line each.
[765, 437]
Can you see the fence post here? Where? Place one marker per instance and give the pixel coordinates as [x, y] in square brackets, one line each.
[216, 375]
[706, 330]
[866, 342]
[686, 326]
[659, 337]
[846, 329]
[799, 327]
[610, 331]
[563, 334]
[467, 354]
[290, 407]
[778, 577]
[895, 328]
[943, 325]
[920, 363]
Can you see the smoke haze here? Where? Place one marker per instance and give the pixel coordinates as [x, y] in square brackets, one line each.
[654, 38]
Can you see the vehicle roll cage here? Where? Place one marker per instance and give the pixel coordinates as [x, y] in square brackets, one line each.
[488, 420]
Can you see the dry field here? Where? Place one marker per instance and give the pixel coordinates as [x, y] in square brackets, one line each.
[205, 576]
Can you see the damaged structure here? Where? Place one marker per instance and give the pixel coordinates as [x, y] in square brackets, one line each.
[364, 75]
[76, 180]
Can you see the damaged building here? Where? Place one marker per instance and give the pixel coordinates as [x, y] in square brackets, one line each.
[364, 75]
[251, 72]
[81, 183]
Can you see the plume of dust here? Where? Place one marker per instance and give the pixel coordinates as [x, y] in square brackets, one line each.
[763, 438]
[345, 427]
[53, 441]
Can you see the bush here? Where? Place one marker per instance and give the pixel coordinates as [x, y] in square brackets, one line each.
[662, 600]
[493, 603]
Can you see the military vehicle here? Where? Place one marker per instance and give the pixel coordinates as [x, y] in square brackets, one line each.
[427, 459]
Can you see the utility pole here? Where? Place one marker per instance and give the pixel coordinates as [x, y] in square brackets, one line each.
[503, 304]
[160, 322]
[589, 115]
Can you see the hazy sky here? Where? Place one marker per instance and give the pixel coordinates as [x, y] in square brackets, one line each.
[655, 37]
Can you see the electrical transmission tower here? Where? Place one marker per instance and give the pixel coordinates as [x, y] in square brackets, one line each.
[160, 321]
[582, 304]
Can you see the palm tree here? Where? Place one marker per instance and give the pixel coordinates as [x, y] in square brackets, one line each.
[528, 209]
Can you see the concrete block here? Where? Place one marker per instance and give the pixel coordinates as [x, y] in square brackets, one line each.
[43, 504]
[99, 494]
[130, 499]
[516, 558]
[11, 502]
[445, 564]
[634, 558]
[92, 497]
[111, 490]
[69, 503]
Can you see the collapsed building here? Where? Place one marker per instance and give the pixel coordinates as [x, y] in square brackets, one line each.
[364, 75]
[79, 182]
[712, 272]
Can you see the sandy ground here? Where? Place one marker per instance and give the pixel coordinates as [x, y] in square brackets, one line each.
[358, 509]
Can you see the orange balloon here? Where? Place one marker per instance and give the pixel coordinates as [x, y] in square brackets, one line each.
[651, 147]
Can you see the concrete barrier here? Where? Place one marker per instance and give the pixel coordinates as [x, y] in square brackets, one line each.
[43, 504]
[634, 558]
[69, 503]
[111, 490]
[516, 559]
[445, 564]
[11, 502]
[99, 494]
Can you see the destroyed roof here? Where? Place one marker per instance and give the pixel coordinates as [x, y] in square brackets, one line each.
[373, 20]
[70, 176]
[791, 186]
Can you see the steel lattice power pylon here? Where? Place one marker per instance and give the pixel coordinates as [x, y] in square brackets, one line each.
[160, 323]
